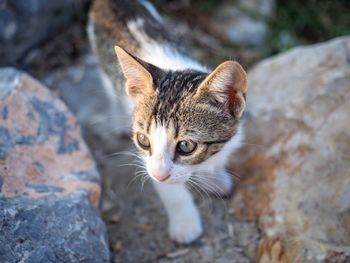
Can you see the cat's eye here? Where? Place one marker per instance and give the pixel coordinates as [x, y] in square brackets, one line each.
[186, 147]
[143, 141]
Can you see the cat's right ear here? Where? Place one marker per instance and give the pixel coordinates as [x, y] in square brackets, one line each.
[139, 82]
[225, 86]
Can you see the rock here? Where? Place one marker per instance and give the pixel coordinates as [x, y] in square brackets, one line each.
[244, 22]
[26, 23]
[296, 161]
[49, 185]
[82, 88]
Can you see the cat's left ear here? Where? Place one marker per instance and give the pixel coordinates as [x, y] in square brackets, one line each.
[225, 86]
[139, 81]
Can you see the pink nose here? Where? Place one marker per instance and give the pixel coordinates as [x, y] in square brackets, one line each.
[162, 177]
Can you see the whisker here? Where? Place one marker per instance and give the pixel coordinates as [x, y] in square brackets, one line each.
[195, 187]
[201, 187]
[146, 178]
[230, 172]
[129, 164]
[133, 180]
[204, 190]
[210, 185]
[138, 175]
[235, 175]
[127, 153]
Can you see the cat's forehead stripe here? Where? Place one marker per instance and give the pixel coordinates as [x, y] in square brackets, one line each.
[140, 124]
[174, 88]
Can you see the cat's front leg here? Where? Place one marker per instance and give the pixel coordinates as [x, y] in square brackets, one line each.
[185, 224]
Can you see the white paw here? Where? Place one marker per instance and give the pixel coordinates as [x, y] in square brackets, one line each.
[185, 230]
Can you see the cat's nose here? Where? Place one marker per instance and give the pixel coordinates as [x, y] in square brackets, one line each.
[160, 167]
[161, 177]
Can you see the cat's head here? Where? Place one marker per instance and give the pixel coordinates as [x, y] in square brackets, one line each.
[183, 119]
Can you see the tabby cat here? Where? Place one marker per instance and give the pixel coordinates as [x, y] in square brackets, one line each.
[186, 118]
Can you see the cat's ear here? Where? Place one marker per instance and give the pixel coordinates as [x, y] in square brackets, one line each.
[139, 81]
[226, 86]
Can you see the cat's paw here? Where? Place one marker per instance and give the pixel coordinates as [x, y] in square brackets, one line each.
[185, 231]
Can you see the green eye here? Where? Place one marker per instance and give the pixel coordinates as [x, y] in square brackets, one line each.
[143, 141]
[186, 147]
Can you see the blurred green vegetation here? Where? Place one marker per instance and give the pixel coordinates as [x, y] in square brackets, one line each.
[299, 22]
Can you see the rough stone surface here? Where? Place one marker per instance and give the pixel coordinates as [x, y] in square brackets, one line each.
[51, 229]
[49, 185]
[297, 157]
[25, 23]
[243, 23]
[82, 89]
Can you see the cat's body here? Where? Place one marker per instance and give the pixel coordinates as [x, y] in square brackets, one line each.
[185, 120]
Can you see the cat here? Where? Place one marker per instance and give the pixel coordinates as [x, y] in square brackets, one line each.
[186, 118]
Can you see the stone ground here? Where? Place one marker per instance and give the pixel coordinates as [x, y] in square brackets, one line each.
[136, 221]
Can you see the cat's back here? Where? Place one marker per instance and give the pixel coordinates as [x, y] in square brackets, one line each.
[137, 27]
[112, 18]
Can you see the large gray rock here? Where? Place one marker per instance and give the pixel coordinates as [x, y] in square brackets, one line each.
[51, 229]
[82, 88]
[49, 185]
[244, 22]
[297, 159]
[26, 23]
